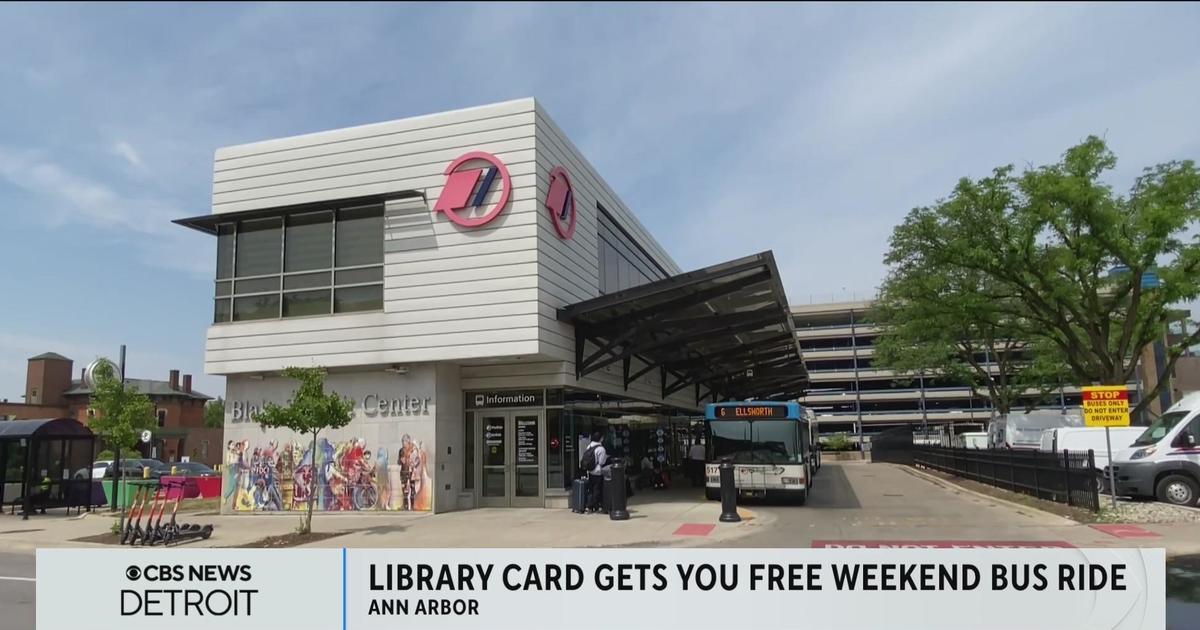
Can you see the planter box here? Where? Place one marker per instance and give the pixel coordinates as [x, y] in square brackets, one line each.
[842, 456]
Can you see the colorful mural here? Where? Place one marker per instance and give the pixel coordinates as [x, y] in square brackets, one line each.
[276, 477]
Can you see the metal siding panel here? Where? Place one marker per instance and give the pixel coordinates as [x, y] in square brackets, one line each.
[392, 145]
[449, 293]
[437, 121]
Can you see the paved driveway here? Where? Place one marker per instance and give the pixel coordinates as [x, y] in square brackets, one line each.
[860, 501]
[16, 591]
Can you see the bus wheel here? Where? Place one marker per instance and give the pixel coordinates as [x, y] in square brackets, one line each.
[712, 494]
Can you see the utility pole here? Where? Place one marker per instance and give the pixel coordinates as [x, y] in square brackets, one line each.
[924, 413]
[117, 458]
[857, 382]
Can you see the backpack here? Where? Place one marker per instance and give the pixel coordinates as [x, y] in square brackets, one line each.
[588, 463]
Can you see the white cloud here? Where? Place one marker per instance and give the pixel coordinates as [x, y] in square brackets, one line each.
[126, 151]
[145, 222]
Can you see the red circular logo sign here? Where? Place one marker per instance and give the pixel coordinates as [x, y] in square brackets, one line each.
[467, 188]
[560, 201]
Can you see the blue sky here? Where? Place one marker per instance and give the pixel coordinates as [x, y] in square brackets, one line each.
[806, 129]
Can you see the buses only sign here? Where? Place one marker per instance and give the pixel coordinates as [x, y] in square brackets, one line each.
[1106, 406]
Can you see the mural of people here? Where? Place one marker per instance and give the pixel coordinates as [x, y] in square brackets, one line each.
[348, 476]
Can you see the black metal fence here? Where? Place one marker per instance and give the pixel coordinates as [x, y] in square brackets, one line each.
[893, 446]
[1066, 477]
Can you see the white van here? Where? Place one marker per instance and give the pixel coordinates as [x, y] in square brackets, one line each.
[1164, 461]
[1024, 430]
[1089, 438]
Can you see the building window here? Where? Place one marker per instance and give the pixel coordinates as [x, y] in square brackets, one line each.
[469, 454]
[623, 263]
[34, 399]
[315, 263]
[162, 417]
[556, 475]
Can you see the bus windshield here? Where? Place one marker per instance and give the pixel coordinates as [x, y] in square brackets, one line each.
[756, 441]
[1160, 428]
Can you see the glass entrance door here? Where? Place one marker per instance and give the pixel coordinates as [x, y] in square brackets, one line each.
[510, 470]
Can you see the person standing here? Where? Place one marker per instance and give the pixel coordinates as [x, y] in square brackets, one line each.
[696, 462]
[593, 461]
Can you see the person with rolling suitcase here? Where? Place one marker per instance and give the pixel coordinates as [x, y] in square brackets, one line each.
[593, 461]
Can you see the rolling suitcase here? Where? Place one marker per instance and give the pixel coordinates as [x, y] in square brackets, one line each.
[578, 499]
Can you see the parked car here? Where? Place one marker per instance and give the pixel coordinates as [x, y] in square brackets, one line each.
[1062, 439]
[1164, 461]
[194, 469]
[1024, 430]
[100, 468]
[132, 468]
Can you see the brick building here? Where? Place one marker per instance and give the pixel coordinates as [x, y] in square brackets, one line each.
[51, 392]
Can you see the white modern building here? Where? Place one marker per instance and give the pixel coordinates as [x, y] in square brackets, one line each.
[484, 298]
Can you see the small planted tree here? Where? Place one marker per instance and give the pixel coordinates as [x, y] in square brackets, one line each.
[214, 413]
[309, 411]
[122, 414]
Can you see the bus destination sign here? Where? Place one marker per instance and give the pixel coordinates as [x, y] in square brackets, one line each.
[740, 412]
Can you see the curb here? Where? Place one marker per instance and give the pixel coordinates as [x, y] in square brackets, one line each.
[920, 474]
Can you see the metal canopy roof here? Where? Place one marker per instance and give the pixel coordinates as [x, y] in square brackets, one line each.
[50, 428]
[725, 329]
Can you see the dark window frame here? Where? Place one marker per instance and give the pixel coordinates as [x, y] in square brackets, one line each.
[226, 289]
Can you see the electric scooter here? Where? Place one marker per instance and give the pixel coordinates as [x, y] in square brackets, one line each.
[153, 529]
[175, 532]
[133, 526]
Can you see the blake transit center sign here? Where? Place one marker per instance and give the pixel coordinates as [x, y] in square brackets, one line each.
[372, 405]
[298, 589]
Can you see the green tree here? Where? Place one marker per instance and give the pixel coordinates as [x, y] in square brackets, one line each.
[309, 411]
[953, 323]
[122, 414]
[214, 413]
[1069, 259]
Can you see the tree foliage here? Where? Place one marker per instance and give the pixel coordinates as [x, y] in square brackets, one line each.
[122, 412]
[308, 412]
[954, 323]
[1066, 260]
[214, 413]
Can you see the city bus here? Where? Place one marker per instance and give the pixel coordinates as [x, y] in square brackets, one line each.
[769, 443]
[814, 441]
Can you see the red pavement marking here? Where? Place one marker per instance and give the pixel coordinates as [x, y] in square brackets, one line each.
[1126, 531]
[695, 529]
[937, 544]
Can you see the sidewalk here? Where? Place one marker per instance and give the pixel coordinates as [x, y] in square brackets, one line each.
[1176, 538]
[676, 518]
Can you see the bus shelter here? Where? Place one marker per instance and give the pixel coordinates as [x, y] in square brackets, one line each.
[46, 464]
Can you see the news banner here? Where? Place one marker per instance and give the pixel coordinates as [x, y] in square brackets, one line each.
[327, 589]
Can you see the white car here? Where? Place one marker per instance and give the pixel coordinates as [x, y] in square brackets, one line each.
[100, 467]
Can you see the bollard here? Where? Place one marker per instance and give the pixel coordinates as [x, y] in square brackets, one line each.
[617, 511]
[729, 512]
